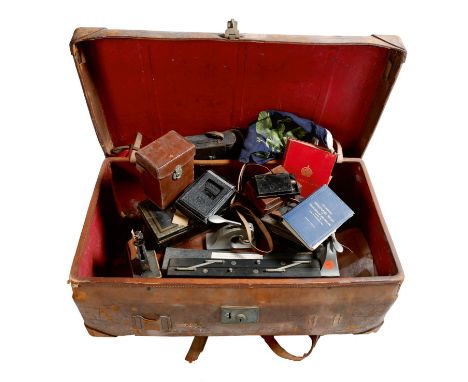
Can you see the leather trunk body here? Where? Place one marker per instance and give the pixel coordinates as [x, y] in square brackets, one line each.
[346, 93]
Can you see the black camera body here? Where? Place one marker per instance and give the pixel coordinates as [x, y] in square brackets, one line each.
[207, 196]
[269, 185]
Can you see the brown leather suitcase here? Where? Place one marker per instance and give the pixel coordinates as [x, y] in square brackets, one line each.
[153, 82]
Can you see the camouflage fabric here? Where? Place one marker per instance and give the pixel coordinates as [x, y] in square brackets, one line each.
[276, 131]
[267, 137]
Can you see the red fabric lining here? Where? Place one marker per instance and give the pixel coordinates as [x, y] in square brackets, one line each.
[94, 254]
[153, 86]
[348, 182]
[104, 251]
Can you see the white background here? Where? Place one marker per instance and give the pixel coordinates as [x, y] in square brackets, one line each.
[51, 157]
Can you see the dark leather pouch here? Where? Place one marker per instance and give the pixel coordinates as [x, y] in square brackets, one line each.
[217, 145]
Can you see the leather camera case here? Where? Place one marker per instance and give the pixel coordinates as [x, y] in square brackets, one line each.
[166, 167]
[217, 145]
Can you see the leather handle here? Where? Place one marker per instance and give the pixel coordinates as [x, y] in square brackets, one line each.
[215, 135]
[198, 344]
[281, 352]
[135, 147]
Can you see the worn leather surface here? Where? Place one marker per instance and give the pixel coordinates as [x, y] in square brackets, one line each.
[213, 93]
[159, 160]
[160, 157]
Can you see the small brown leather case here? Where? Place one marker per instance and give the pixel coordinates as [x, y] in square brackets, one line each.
[166, 167]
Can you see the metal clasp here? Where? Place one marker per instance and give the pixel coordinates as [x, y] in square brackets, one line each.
[177, 174]
[232, 33]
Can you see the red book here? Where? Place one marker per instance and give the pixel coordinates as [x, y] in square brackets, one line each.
[311, 165]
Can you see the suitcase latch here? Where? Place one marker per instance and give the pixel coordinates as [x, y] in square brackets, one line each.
[232, 33]
[239, 314]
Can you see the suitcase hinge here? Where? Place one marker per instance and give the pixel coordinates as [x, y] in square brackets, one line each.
[232, 33]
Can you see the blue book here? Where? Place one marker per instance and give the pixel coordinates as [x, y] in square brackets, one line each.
[317, 217]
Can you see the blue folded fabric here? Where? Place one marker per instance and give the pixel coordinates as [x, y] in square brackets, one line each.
[267, 137]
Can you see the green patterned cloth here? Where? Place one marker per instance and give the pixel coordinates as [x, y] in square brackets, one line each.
[267, 137]
[277, 132]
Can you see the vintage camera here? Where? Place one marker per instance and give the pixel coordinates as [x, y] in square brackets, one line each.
[159, 223]
[208, 195]
[268, 185]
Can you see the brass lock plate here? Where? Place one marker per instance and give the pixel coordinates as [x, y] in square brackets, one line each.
[239, 314]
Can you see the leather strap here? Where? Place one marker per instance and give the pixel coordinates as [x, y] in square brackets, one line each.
[242, 170]
[198, 344]
[339, 152]
[135, 147]
[241, 210]
[279, 350]
[238, 207]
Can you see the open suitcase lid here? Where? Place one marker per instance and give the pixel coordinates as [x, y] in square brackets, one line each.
[153, 82]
